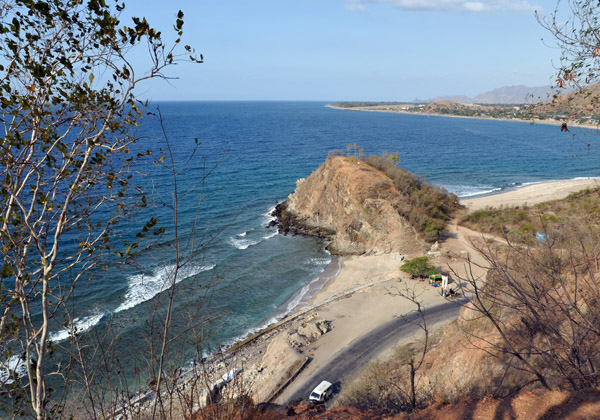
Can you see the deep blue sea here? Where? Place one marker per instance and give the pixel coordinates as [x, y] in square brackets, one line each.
[246, 275]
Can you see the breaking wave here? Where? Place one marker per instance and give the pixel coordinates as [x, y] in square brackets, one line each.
[79, 325]
[143, 287]
[242, 243]
[13, 366]
[464, 191]
[270, 235]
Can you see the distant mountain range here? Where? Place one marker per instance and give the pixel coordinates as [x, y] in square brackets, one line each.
[504, 95]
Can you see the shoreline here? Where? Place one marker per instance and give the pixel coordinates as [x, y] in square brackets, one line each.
[360, 296]
[532, 121]
[531, 194]
[375, 274]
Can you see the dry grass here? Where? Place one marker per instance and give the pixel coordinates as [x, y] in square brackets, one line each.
[520, 224]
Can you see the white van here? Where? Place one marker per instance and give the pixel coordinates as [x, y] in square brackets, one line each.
[321, 392]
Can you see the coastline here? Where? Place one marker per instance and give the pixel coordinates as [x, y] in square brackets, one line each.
[532, 121]
[531, 194]
[362, 295]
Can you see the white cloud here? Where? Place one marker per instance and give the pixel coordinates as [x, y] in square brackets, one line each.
[447, 5]
[355, 6]
[475, 6]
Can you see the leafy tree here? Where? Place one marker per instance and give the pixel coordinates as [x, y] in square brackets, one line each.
[419, 267]
[68, 109]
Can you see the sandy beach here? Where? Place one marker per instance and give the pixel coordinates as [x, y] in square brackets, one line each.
[531, 194]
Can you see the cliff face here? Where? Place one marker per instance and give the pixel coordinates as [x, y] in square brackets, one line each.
[351, 204]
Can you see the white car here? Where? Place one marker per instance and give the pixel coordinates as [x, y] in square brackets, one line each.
[321, 392]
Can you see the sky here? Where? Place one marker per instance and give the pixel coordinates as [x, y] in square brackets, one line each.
[353, 50]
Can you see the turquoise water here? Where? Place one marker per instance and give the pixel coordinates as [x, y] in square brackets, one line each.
[247, 274]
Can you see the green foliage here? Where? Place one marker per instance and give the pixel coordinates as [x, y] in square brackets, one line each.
[498, 220]
[419, 267]
[426, 208]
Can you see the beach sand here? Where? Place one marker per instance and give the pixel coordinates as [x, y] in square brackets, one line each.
[531, 194]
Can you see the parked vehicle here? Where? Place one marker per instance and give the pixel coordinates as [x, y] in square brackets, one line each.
[321, 392]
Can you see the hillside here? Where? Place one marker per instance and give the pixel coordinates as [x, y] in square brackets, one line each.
[581, 105]
[365, 207]
[505, 95]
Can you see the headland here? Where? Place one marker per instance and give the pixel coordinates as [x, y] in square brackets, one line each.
[365, 294]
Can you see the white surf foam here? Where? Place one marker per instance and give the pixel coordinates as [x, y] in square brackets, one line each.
[463, 191]
[13, 366]
[268, 216]
[79, 325]
[525, 184]
[298, 297]
[143, 287]
[318, 261]
[241, 235]
[578, 178]
[480, 192]
[301, 295]
[270, 235]
[242, 243]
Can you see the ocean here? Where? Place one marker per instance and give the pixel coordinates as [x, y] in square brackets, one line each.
[246, 275]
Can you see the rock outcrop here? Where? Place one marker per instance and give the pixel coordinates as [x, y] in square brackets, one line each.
[352, 205]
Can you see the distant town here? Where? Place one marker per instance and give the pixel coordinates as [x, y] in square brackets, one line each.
[505, 112]
[572, 107]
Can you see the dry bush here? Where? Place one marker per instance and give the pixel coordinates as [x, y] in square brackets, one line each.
[541, 303]
[383, 385]
[427, 208]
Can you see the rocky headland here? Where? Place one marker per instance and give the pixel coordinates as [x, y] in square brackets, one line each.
[360, 211]
[352, 205]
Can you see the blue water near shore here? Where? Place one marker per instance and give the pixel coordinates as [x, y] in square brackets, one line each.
[248, 274]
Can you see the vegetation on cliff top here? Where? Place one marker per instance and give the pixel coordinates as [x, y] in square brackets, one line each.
[427, 208]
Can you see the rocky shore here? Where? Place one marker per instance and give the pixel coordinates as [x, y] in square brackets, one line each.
[289, 222]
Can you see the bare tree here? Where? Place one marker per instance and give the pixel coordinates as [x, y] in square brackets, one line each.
[67, 107]
[575, 26]
[393, 385]
[540, 301]
[415, 361]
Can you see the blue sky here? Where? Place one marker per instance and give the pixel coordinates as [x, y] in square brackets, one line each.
[380, 50]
